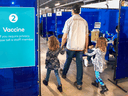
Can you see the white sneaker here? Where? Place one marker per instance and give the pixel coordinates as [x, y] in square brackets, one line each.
[86, 62]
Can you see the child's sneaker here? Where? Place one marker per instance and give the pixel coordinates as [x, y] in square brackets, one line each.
[95, 84]
[104, 89]
[45, 82]
[59, 88]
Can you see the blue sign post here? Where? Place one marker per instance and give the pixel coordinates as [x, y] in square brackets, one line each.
[17, 37]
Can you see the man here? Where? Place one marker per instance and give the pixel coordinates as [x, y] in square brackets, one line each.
[76, 34]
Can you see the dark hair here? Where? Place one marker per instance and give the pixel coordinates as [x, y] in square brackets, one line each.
[76, 9]
[89, 31]
[117, 27]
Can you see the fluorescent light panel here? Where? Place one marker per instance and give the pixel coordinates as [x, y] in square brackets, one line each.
[46, 7]
[57, 4]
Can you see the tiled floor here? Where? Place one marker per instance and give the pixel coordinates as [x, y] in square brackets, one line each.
[88, 77]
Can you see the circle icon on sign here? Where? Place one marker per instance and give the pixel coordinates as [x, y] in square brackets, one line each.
[13, 18]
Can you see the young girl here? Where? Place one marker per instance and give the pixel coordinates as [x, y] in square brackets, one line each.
[52, 62]
[99, 62]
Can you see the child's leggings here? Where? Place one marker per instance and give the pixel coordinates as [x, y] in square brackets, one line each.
[98, 79]
[56, 74]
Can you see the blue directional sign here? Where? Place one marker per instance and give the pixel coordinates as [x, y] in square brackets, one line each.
[17, 39]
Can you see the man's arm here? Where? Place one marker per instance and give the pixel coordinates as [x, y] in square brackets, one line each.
[86, 40]
[64, 39]
[86, 44]
[65, 31]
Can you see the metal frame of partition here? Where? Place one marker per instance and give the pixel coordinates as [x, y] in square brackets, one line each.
[39, 64]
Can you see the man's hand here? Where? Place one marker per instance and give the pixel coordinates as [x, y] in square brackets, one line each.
[61, 46]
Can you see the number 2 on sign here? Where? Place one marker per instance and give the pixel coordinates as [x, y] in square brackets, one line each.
[13, 17]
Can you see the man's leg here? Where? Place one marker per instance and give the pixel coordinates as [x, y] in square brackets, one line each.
[69, 56]
[79, 58]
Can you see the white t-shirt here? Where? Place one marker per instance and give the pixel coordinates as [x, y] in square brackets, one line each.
[77, 29]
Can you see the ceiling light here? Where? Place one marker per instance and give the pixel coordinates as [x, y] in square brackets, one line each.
[57, 4]
[46, 7]
[12, 2]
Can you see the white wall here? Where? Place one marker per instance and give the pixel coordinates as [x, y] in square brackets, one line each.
[113, 4]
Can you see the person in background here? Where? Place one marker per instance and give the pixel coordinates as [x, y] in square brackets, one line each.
[115, 39]
[112, 48]
[76, 34]
[99, 63]
[90, 46]
[52, 62]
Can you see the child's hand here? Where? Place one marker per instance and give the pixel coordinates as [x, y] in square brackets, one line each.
[62, 51]
[92, 46]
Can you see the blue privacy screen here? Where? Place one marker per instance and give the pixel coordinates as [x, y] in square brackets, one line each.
[122, 60]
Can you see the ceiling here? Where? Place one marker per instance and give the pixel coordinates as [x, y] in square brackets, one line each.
[46, 3]
[113, 4]
[65, 3]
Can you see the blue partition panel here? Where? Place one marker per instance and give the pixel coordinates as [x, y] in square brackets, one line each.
[122, 60]
[21, 81]
[109, 20]
[44, 27]
[61, 21]
[41, 25]
[107, 17]
[91, 16]
[113, 20]
[41, 17]
[51, 23]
